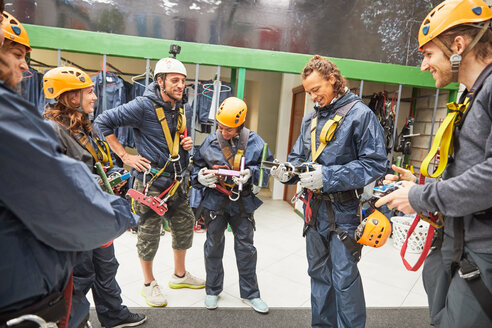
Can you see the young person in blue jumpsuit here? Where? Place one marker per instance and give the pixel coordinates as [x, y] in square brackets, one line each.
[50, 205]
[95, 269]
[342, 166]
[456, 41]
[223, 149]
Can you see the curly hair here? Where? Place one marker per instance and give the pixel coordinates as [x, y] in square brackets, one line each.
[483, 48]
[61, 112]
[325, 68]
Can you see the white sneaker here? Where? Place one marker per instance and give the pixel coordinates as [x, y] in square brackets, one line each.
[153, 295]
[188, 281]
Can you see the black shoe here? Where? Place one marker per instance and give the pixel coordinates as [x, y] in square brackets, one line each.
[134, 319]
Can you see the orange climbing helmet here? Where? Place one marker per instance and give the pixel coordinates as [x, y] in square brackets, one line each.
[373, 230]
[14, 31]
[63, 79]
[232, 112]
[451, 13]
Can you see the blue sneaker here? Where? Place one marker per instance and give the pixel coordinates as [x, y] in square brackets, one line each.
[257, 304]
[211, 302]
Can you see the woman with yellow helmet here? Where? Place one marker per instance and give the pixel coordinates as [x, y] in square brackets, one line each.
[456, 41]
[47, 213]
[95, 269]
[230, 200]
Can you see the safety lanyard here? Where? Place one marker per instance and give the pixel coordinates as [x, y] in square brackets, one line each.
[443, 141]
[172, 144]
[329, 129]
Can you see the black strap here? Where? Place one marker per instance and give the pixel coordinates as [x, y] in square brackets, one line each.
[477, 86]
[468, 270]
[352, 246]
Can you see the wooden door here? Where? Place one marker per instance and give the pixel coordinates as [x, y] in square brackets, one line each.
[297, 113]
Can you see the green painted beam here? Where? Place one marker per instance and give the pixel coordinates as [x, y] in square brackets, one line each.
[233, 79]
[453, 96]
[45, 37]
[241, 81]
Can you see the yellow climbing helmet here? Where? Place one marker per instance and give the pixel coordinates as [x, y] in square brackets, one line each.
[63, 79]
[232, 112]
[14, 31]
[373, 230]
[451, 13]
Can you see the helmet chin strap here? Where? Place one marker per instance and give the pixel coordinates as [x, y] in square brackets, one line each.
[456, 59]
[79, 108]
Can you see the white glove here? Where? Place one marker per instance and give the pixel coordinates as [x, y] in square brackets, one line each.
[313, 179]
[208, 180]
[281, 173]
[245, 175]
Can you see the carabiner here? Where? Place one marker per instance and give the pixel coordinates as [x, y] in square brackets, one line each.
[296, 197]
[174, 159]
[234, 193]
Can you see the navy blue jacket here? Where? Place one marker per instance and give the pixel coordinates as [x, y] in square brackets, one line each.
[353, 159]
[149, 138]
[50, 208]
[210, 154]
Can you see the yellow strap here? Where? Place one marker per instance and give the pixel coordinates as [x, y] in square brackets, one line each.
[172, 144]
[237, 159]
[100, 155]
[443, 141]
[326, 135]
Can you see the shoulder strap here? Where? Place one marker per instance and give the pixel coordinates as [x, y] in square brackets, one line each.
[472, 94]
[172, 144]
[234, 160]
[329, 129]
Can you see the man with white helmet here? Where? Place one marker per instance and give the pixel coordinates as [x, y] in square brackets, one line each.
[159, 120]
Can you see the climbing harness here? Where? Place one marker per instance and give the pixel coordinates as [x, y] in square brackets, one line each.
[158, 203]
[236, 162]
[329, 129]
[313, 203]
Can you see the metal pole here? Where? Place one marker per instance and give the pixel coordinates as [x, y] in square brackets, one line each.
[147, 71]
[395, 130]
[197, 71]
[217, 98]
[58, 55]
[104, 84]
[433, 119]
[361, 88]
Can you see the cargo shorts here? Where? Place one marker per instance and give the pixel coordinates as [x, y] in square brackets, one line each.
[179, 216]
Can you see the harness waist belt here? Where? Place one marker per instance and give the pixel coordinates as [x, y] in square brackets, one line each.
[340, 196]
[51, 308]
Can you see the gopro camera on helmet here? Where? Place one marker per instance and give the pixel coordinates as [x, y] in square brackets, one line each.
[174, 50]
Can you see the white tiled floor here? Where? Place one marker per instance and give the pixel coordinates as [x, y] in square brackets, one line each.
[281, 268]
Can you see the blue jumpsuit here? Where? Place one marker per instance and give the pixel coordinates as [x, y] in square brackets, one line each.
[50, 208]
[354, 158]
[239, 214]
